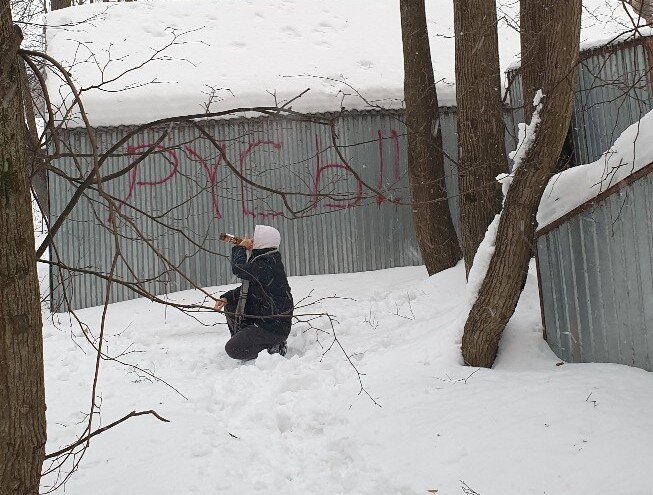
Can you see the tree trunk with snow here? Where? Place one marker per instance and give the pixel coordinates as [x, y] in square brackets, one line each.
[533, 33]
[434, 229]
[549, 45]
[22, 390]
[481, 145]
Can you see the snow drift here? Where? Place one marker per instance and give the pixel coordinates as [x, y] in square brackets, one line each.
[632, 150]
[234, 53]
[299, 425]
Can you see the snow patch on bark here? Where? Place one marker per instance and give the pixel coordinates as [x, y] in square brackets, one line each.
[485, 250]
[526, 139]
[481, 262]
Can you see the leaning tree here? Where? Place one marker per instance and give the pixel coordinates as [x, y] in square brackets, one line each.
[550, 33]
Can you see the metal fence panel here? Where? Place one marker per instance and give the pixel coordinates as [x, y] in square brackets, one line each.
[613, 91]
[596, 280]
[188, 186]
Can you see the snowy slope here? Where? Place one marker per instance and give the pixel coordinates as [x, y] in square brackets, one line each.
[348, 53]
[298, 425]
[632, 150]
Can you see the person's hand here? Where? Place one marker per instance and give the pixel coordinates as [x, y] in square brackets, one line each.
[247, 243]
[220, 304]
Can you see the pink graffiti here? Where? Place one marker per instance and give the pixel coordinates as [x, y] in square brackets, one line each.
[132, 150]
[245, 189]
[173, 156]
[395, 147]
[247, 192]
[333, 166]
[211, 174]
[396, 168]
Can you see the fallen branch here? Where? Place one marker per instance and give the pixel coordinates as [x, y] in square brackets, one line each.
[105, 428]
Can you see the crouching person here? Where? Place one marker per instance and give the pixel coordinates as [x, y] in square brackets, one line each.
[258, 312]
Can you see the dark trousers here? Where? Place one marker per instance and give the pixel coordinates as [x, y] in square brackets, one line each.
[247, 342]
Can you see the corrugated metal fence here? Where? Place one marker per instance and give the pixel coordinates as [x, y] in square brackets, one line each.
[613, 91]
[595, 263]
[595, 268]
[189, 195]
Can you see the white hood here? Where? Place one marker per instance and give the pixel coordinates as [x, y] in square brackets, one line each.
[266, 237]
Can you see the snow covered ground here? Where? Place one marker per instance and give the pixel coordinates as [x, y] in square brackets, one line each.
[299, 425]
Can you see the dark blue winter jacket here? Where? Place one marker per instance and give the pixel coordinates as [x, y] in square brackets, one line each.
[269, 302]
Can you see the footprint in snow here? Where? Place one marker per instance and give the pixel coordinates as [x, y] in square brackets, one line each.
[291, 31]
[284, 421]
[323, 27]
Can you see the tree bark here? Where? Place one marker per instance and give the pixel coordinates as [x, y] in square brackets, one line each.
[434, 229]
[550, 46]
[22, 390]
[533, 32]
[481, 144]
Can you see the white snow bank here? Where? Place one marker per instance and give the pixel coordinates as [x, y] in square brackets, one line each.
[628, 34]
[348, 53]
[602, 22]
[240, 53]
[481, 263]
[571, 188]
[298, 424]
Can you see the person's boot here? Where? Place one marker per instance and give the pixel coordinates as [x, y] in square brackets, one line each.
[281, 348]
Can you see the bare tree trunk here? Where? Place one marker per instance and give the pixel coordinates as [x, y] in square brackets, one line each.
[533, 32]
[550, 46]
[434, 229]
[22, 390]
[481, 145]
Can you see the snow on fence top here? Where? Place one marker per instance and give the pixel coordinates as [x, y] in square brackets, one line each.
[612, 42]
[240, 53]
[243, 52]
[604, 22]
[571, 188]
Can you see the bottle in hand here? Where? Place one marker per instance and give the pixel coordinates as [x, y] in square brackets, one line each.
[231, 239]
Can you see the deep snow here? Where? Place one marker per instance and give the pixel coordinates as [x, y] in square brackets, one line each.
[566, 190]
[348, 53]
[298, 424]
